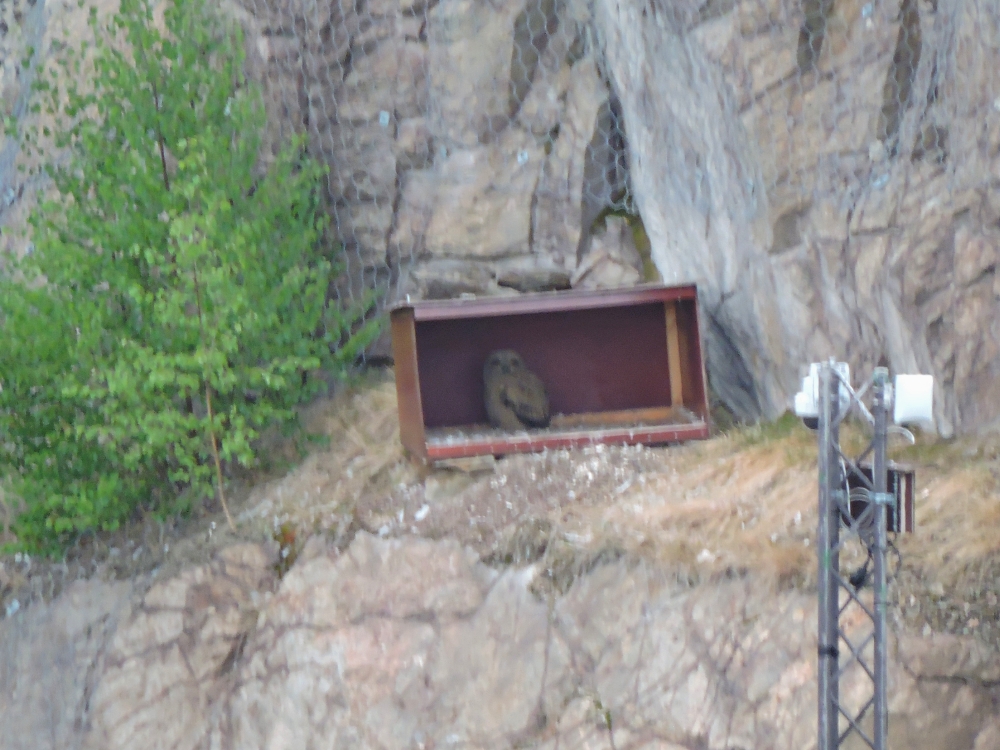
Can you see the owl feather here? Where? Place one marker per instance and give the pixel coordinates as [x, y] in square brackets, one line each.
[515, 397]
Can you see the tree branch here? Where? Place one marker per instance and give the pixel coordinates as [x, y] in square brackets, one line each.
[208, 409]
[159, 140]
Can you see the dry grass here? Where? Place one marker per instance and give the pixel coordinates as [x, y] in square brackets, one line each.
[742, 503]
[362, 457]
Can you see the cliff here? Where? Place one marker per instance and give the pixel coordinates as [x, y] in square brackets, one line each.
[627, 598]
[825, 171]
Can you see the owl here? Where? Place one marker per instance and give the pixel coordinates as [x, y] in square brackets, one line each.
[515, 397]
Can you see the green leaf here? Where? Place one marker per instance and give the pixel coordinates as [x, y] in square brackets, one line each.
[152, 290]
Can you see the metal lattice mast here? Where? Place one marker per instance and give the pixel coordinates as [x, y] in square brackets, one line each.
[837, 526]
[827, 544]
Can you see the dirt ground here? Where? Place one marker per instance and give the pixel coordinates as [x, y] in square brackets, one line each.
[741, 503]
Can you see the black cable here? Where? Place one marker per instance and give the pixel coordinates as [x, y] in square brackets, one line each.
[859, 578]
[890, 575]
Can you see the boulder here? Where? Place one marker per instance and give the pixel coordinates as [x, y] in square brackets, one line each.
[391, 77]
[378, 8]
[408, 642]
[417, 198]
[698, 186]
[362, 160]
[447, 279]
[160, 669]
[48, 654]
[364, 228]
[543, 59]
[474, 203]
[611, 260]
[535, 279]
[413, 144]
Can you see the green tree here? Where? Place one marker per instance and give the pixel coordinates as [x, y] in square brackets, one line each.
[177, 297]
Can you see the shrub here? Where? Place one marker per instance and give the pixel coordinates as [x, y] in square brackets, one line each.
[176, 300]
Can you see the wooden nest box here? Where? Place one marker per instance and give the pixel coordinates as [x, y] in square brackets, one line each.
[621, 366]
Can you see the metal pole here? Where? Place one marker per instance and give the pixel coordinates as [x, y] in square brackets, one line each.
[823, 550]
[836, 484]
[833, 504]
[881, 499]
[826, 543]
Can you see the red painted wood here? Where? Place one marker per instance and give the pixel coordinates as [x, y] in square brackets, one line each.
[545, 302]
[554, 441]
[596, 351]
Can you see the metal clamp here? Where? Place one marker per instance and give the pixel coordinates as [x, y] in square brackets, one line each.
[883, 498]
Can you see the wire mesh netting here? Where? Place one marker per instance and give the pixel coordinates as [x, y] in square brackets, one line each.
[517, 145]
[823, 169]
[504, 146]
[472, 146]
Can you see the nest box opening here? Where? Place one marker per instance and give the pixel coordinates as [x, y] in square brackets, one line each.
[619, 366]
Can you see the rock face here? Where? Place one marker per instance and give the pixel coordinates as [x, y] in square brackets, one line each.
[458, 134]
[824, 171]
[51, 656]
[164, 669]
[829, 195]
[820, 170]
[411, 643]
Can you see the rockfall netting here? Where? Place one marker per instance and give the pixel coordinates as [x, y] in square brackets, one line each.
[472, 146]
[824, 169]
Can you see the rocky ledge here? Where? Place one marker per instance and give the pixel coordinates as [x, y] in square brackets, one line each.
[413, 643]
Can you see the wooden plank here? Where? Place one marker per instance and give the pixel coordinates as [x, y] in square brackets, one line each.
[404, 353]
[653, 415]
[590, 422]
[674, 355]
[525, 443]
[693, 366]
[542, 302]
